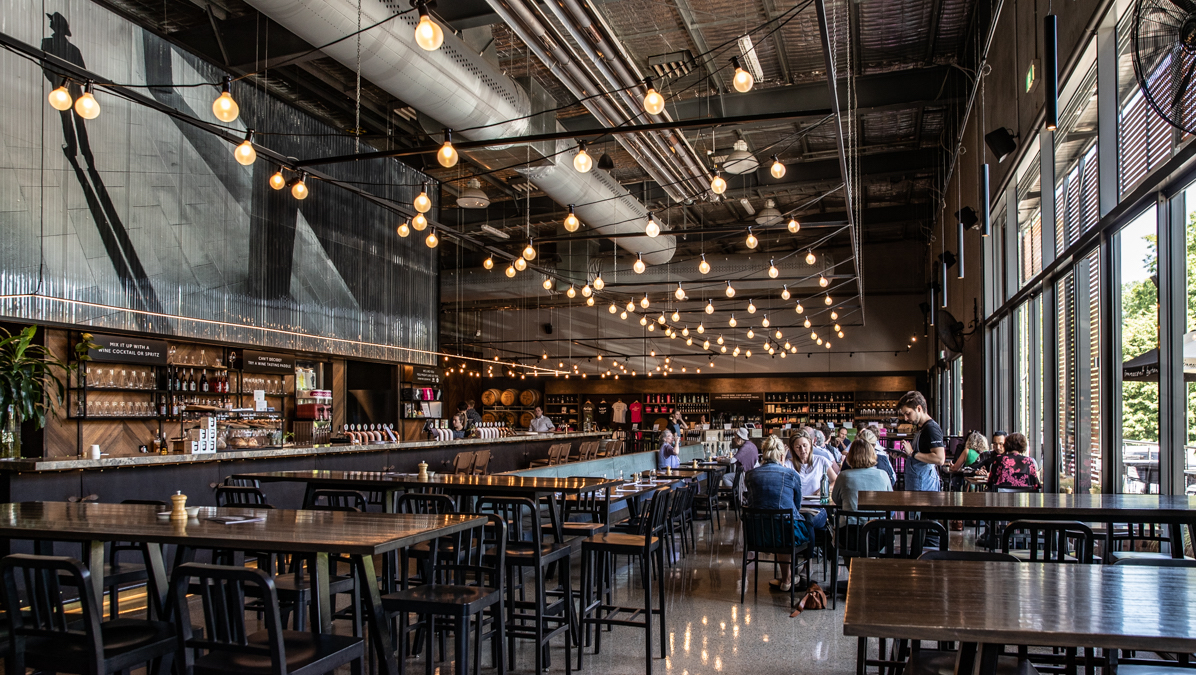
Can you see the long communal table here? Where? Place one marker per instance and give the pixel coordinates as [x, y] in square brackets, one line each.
[311, 533]
[1177, 511]
[985, 605]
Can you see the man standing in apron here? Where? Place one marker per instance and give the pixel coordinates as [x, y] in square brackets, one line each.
[926, 453]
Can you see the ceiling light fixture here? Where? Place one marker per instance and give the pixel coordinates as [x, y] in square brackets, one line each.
[743, 80]
[404, 229]
[777, 169]
[488, 263]
[447, 155]
[86, 106]
[428, 35]
[582, 160]
[652, 228]
[704, 267]
[530, 251]
[224, 107]
[653, 101]
[718, 184]
[773, 272]
[639, 265]
[245, 154]
[751, 242]
[299, 189]
[278, 181]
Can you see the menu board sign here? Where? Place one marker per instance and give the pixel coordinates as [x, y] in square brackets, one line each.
[425, 376]
[262, 362]
[117, 349]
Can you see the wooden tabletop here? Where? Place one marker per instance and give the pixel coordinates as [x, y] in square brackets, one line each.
[282, 531]
[1086, 507]
[1046, 604]
[496, 484]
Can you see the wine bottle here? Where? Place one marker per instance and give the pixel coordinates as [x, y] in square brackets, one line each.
[203, 381]
[191, 384]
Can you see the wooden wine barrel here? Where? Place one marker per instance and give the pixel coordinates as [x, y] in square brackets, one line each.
[490, 396]
[509, 417]
[525, 420]
[488, 418]
[529, 397]
[509, 396]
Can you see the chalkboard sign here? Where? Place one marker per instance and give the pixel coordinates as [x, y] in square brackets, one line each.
[117, 349]
[262, 362]
[425, 376]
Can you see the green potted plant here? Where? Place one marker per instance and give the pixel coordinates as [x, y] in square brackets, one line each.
[33, 381]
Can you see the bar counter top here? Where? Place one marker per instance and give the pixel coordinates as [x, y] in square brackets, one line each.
[77, 463]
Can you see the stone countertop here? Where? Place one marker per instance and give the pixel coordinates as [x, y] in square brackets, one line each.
[75, 463]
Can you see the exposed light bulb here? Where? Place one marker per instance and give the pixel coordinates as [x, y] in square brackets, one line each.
[245, 154]
[701, 328]
[732, 323]
[630, 306]
[785, 295]
[520, 264]
[806, 323]
[773, 272]
[643, 321]
[765, 322]
[718, 184]
[651, 327]
[623, 315]
[834, 315]
[404, 229]
[582, 160]
[510, 271]
[680, 292]
[639, 265]
[299, 189]
[778, 335]
[810, 259]
[60, 98]
[571, 221]
[828, 300]
[547, 283]
[730, 290]
[719, 340]
[813, 335]
[653, 101]
[685, 331]
[676, 316]
[751, 334]
[688, 342]
[599, 284]
[447, 155]
[278, 181]
[743, 80]
[822, 281]
[661, 319]
[652, 228]
[530, 251]
[587, 291]
[644, 301]
[428, 34]
[419, 222]
[751, 242]
[86, 106]
[488, 263]
[432, 239]
[704, 267]
[794, 226]
[572, 292]
[837, 328]
[709, 307]
[723, 349]
[840, 335]
[706, 344]
[590, 302]
[751, 307]
[777, 169]
[800, 309]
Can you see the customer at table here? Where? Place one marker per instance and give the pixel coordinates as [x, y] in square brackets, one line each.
[882, 458]
[973, 448]
[838, 441]
[774, 486]
[986, 459]
[860, 474]
[457, 424]
[472, 416]
[811, 469]
[540, 423]
[667, 457]
[1014, 471]
[818, 449]
[677, 424]
[746, 455]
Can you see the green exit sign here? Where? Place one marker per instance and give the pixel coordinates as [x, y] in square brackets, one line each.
[1031, 76]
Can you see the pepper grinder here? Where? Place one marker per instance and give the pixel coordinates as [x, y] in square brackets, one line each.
[178, 508]
[423, 471]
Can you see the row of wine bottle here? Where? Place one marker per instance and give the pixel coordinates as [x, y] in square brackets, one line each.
[180, 380]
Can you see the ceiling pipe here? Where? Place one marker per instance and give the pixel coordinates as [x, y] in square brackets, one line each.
[461, 90]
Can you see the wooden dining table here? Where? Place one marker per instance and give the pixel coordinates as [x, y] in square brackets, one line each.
[985, 605]
[314, 534]
[1177, 511]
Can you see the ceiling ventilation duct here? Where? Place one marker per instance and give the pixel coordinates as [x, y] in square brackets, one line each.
[461, 90]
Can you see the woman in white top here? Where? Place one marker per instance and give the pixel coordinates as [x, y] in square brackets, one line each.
[810, 467]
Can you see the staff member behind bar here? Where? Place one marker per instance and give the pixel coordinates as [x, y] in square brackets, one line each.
[540, 423]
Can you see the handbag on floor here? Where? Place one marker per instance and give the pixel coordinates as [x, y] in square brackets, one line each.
[815, 598]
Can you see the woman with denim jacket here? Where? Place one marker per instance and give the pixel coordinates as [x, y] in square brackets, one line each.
[772, 485]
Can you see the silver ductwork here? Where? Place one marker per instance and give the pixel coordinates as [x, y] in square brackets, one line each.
[462, 90]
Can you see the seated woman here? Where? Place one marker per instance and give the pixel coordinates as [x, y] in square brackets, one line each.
[882, 459]
[862, 476]
[667, 457]
[968, 457]
[810, 469]
[1014, 471]
[771, 485]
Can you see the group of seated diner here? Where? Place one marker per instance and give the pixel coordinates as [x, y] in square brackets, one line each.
[1006, 466]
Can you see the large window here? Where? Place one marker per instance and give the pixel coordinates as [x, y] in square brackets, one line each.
[1077, 349]
[1189, 340]
[1137, 326]
[1144, 140]
[1076, 198]
[1029, 219]
[1065, 356]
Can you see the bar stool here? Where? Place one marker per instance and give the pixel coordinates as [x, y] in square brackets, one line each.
[597, 553]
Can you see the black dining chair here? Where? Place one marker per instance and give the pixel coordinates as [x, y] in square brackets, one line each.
[1049, 541]
[238, 495]
[906, 539]
[770, 532]
[46, 634]
[339, 500]
[118, 570]
[975, 556]
[227, 645]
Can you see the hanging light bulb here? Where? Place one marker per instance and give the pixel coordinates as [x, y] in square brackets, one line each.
[837, 328]
[723, 349]
[709, 307]
[547, 283]
[643, 321]
[245, 154]
[419, 222]
[680, 292]
[299, 189]
[510, 271]
[86, 106]
[828, 300]
[773, 272]
[765, 322]
[732, 323]
[488, 263]
[704, 267]
[840, 335]
[630, 306]
[530, 251]
[822, 281]
[661, 319]
[777, 169]
[751, 239]
[806, 323]
[432, 240]
[688, 342]
[794, 226]
[736, 352]
[590, 302]
[278, 181]
[639, 265]
[778, 335]
[717, 184]
[785, 295]
[623, 315]
[60, 98]
[701, 328]
[676, 316]
[428, 35]
[787, 345]
[751, 307]
[571, 221]
[404, 229]
[706, 344]
[422, 203]
[751, 334]
[644, 302]
[810, 259]
[743, 80]
[520, 264]
[652, 228]
[720, 339]
[582, 160]
[447, 155]
[828, 344]
[587, 291]
[651, 327]
[813, 335]
[834, 315]
[730, 290]
[653, 101]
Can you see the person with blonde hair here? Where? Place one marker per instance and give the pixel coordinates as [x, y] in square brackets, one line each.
[882, 460]
[972, 448]
[667, 457]
[772, 485]
[863, 475]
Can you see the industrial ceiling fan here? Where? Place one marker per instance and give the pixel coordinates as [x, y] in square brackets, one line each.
[1164, 51]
